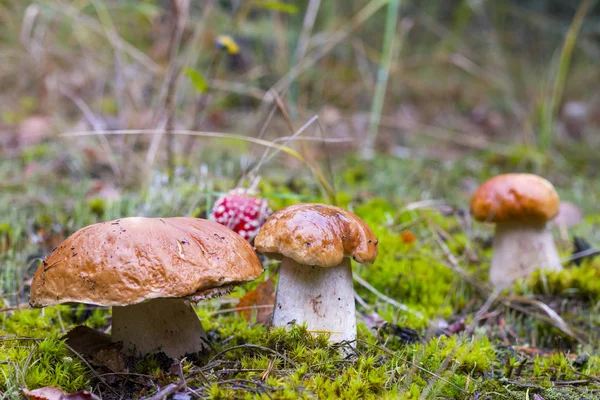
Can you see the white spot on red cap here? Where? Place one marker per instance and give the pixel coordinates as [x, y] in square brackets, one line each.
[240, 212]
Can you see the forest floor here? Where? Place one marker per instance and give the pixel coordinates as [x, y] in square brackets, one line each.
[444, 94]
[429, 324]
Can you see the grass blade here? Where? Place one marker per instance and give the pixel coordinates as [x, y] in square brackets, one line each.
[550, 109]
[382, 76]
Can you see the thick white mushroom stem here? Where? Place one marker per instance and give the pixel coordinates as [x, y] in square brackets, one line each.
[321, 297]
[519, 249]
[168, 325]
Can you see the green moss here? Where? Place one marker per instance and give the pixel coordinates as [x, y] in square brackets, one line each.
[30, 323]
[492, 390]
[41, 363]
[97, 206]
[582, 282]
[558, 367]
[446, 364]
[407, 272]
[517, 390]
[5, 228]
[469, 355]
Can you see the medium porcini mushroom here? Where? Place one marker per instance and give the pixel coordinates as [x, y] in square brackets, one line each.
[149, 270]
[315, 286]
[520, 205]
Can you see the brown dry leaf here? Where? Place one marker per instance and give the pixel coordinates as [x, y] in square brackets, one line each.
[54, 393]
[528, 350]
[264, 296]
[86, 340]
[408, 237]
[112, 358]
[539, 352]
[98, 346]
[46, 393]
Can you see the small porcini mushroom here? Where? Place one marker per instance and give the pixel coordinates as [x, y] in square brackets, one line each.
[315, 282]
[149, 270]
[520, 205]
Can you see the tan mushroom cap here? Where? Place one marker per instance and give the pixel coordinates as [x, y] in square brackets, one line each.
[130, 260]
[515, 197]
[317, 234]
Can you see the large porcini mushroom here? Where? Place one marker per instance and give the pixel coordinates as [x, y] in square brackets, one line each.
[149, 270]
[520, 205]
[315, 282]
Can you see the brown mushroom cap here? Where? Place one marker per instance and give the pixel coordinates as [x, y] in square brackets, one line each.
[130, 260]
[515, 197]
[317, 234]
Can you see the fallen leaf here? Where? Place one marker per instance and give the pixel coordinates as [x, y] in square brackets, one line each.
[264, 296]
[111, 357]
[86, 340]
[528, 350]
[47, 393]
[408, 237]
[98, 346]
[54, 393]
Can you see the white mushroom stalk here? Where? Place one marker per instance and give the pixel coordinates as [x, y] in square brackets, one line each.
[323, 298]
[519, 249]
[168, 325]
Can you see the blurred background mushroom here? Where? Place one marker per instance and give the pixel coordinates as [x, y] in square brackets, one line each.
[241, 212]
[520, 205]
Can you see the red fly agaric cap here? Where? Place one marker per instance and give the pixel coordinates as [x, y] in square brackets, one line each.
[130, 260]
[241, 213]
[515, 197]
[317, 234]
